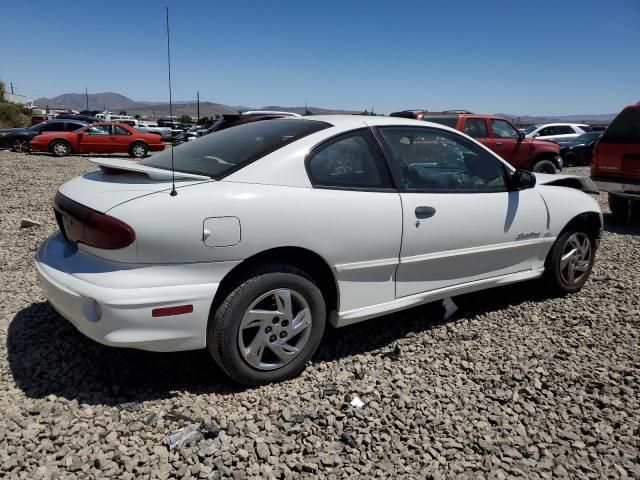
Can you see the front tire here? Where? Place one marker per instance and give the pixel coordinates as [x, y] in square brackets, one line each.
[544, 166]
[268, 327]
[570, 261]
[20, 145]
[570, 159]
[60, 148]
[138, 150]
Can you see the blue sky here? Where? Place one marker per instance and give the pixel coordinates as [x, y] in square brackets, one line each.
[520, 57]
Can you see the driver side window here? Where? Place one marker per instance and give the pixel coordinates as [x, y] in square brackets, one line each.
[430, 160]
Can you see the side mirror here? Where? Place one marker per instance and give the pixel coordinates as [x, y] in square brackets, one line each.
[522, 180]
[520, 136]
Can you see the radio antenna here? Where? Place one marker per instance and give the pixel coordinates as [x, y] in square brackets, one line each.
[173, 171]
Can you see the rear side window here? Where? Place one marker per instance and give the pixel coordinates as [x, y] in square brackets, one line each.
[448, 120]
[223, 152]
[348, 161]
[72, 127]
[625, 128]
[564, 130]
[120, 131]
[476, 127]
[54, 127]
[586, 128]
[547, 131]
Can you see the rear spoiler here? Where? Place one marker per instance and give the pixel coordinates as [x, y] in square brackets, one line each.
[120, 165]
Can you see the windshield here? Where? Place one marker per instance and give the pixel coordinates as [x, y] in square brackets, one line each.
[530, 129]
[585, 138]
[220, 153]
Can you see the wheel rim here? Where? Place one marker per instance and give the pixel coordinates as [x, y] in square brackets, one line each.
[575, 258]
[138, 150]
[544, 168]
[274, 329]
[61, 148]
[20, 146]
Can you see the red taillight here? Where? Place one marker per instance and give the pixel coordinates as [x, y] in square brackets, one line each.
[170, 311]
[103, 231]
[83, 225]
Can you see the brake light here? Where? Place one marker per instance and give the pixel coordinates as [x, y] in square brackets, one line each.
[84, 225]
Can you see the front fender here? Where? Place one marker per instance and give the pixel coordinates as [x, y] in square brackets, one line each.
[565, 204]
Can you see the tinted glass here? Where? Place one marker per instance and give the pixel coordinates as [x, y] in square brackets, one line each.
[120, 131]
[448, 120]
[437, 161]
[586, 128]
[503, 129]
[351, 161]
[476, 127]
[585, 138]
[225, 151]
[564, 130]
[546, 131]
[625, 128]
[99, 130]
[54, 127]
[72, 127]
[530, 129]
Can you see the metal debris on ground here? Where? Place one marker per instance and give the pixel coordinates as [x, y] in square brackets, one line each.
[130, 406]
[151, 420]
[449, 308]
[210, 431]
[329, 391]
[184, 436]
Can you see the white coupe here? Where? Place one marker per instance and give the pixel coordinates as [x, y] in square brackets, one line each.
[276, 227]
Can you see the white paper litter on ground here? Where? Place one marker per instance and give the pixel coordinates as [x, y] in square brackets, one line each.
[357, 402]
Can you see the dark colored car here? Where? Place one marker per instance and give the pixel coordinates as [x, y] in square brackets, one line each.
[498, 134]
[74, 116]
[18, 138]
[577, 151]
[232, 120]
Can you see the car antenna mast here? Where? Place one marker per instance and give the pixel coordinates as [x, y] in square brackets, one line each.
[173, 171]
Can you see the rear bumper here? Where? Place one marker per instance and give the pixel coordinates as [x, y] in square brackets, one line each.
[616, 184]
[111, 302]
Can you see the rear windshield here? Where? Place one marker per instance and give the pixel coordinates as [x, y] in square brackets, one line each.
[448, 120]
[625, 128]
[221, 153]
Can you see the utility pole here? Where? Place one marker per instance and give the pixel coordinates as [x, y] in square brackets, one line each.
[86, 97]
[11, 88]
[198, 95]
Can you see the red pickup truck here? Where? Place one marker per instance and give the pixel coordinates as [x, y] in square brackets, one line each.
[498, 134]
[615, 164]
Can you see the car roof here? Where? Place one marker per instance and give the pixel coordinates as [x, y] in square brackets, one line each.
[560, 124]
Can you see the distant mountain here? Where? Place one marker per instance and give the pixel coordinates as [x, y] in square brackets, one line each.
[590, 118]
[115, 102]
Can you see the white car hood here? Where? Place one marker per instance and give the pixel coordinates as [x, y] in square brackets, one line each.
[102, 191]
[578, 182]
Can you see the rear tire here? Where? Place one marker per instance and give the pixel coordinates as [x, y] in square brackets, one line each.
[60, 148]
[20, 145]
[138, 150]
[255, 338]
[570, 159]
[570, 261]
[619, 207]
[544, 166]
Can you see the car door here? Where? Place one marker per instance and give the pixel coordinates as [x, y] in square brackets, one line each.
[122, 139]
[460, 222]
[95, 139]
[476, 127]
[508, 143]
[564, 133]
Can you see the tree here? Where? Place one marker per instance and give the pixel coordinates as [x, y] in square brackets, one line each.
[204, 120]
[185, 119]
[12, 114]
[122, 113]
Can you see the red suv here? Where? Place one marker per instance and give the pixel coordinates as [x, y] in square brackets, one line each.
[615, 163]
[499, 135]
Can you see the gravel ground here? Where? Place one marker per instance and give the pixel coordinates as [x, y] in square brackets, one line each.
[515, 385]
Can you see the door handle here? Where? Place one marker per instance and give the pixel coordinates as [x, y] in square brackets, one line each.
[498, 143]
[425, 212]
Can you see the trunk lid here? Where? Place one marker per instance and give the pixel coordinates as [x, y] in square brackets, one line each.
[119, 181]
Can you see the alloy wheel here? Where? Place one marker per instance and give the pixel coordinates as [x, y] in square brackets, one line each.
[275, 329]
[20, 146]
[61, 148]
[575, 258]
[138, 151]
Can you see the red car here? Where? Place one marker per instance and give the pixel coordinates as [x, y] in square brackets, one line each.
[498, 134]
[615, 164]
[104, 137]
